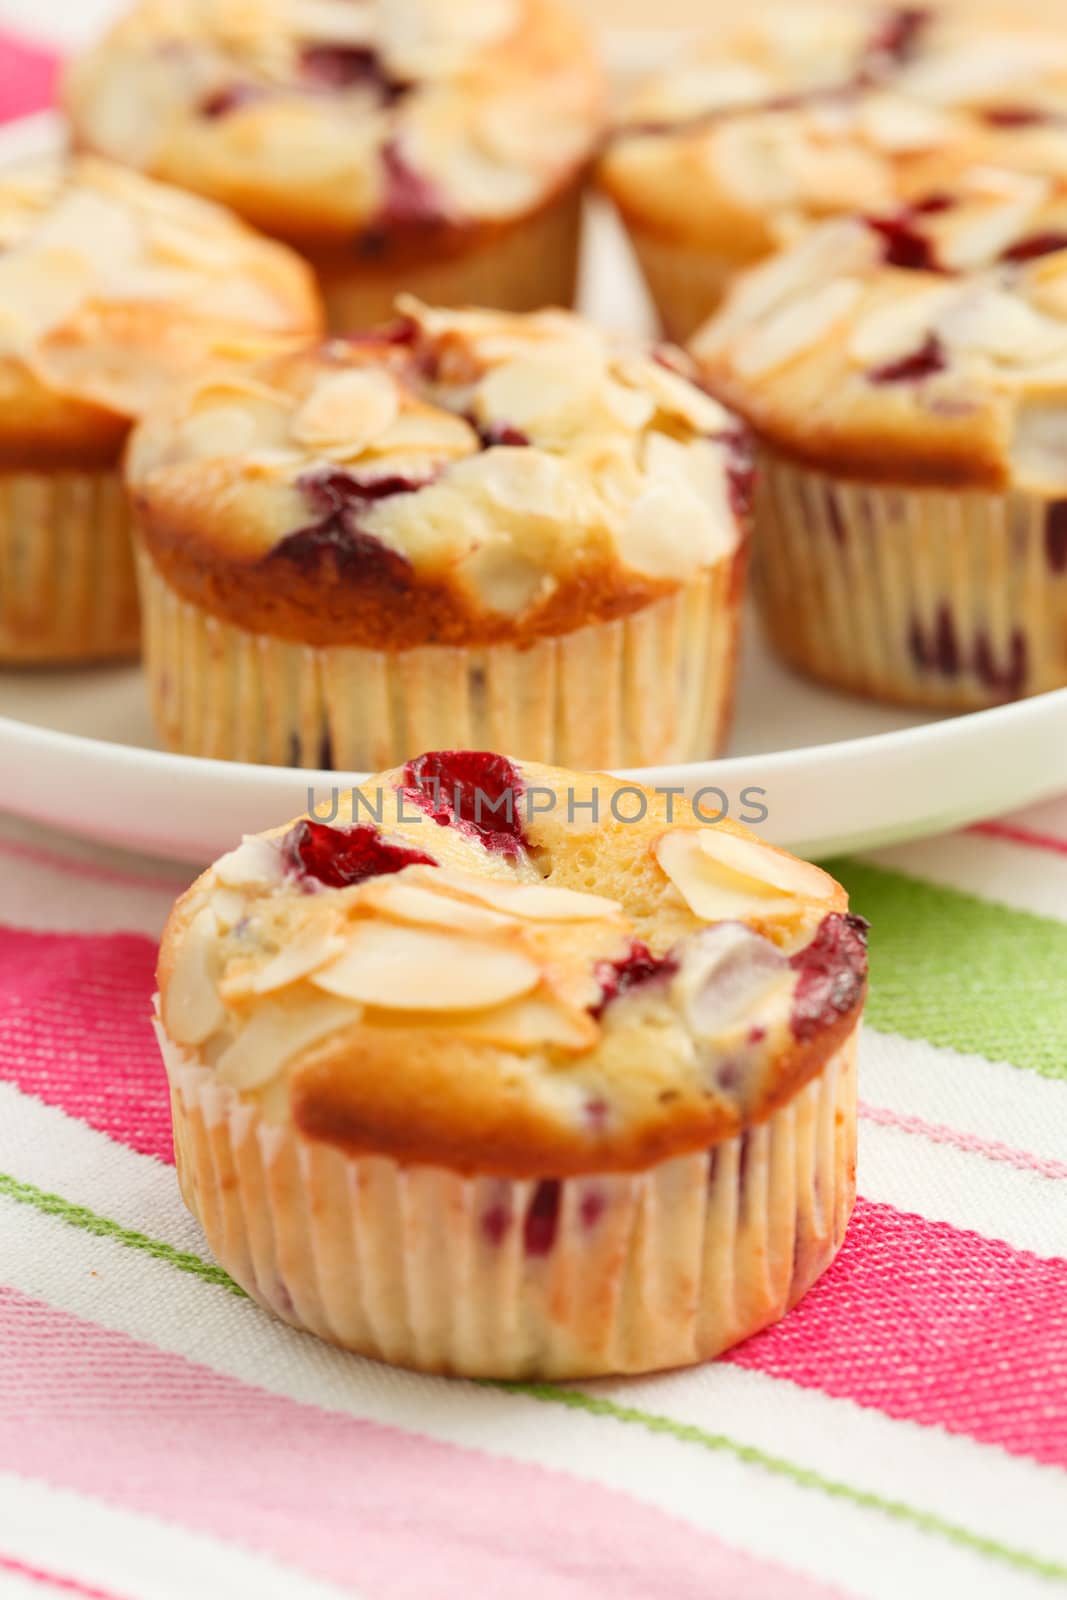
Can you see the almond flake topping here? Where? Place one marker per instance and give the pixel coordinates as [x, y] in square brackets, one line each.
[723, 876]
[415, 969]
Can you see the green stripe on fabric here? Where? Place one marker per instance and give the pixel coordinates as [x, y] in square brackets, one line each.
[103, 1227]
[81, 1217]
[804, 1477]
[956, 970]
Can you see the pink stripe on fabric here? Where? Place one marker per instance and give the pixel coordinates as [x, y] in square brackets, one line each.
[1017, 835]
[54, 1580]
[351, 1502]
[932, 1324]
[939, 1133]
[75, 1031]
[27, 77]
[71, 866]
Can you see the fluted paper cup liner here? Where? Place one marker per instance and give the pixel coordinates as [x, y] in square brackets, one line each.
[68, 589]
[523, 266]
[932, 597]
[499, 1278]
[648, 689]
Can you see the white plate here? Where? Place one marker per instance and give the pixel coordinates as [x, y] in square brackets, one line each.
[836, 773]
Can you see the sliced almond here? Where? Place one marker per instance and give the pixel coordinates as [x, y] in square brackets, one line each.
[255, 864]
[530, 1024]
[723, 875]
[192, 1008]
[312, 947]
[410, 902]
[672, 393]
[797, 327]
[672, 531]
[347, 408]
[537, 902]
[725, 972]
[414, 969]
[275, 1034]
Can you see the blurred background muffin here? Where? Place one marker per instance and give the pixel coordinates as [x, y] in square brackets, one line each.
[110, 285]
[438, 146]
[811, 110]
[472, 529]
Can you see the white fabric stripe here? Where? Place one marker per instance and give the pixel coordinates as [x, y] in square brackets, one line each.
[997, 870]
[76, 1536]
[968, 1191]
[62, 24]
[46, 899]
[865, 1551]
[41, 1145]
[990, 1099]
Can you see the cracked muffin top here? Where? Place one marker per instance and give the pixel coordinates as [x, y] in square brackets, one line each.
[511, 968]
[812, 110]
[112, 285]
[925, 344]
[460, 477]
[319, 119]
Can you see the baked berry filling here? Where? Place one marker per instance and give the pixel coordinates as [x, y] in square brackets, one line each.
[341, 857]
[832, 971]
[338, 496]
[472, 790]
[636, 969]
[921, 363]
[346, 66]
[1056, 535]
[494, 433]
[903, 245]
[897, 40]
[740, 471]
[1035, 245]
[542, 1218]
[938, 650]
[231, 97]
[1015, 117]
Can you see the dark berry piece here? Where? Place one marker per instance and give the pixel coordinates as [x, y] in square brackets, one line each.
[1056, 535]
[542, 1218]
[1034, 246]
[472, 790]
[341, 857]
[1014, 117]
[928, 359]
[638, 967]
[337, 497]
[232, 97]
[832, 971]
[350, 66]
[897, 40]
[494, 433]
[902, 243]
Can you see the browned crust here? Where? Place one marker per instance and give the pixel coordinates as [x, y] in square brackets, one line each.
[911, 451]
[382, 251]
[44, 431]
[546, 40]
[367, 1111]
[387, 607]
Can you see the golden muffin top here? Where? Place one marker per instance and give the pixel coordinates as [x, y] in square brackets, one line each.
[111, 286]
[460, 477]
[925, 344]
[502, 967]
[320, 118]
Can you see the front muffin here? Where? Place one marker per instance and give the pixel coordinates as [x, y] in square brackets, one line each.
[437, 146]
[509, 1071]
[110, 287]
[906, 373]
[810, 111]
[468, 529]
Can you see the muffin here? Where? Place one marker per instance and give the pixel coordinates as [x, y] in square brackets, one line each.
[110, 287]
[435, 146]
[906, 374]
[816, 110]
[469, 528]
[515, 1072]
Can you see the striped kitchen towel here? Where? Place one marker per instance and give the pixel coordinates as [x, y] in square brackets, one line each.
[903, 1431]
